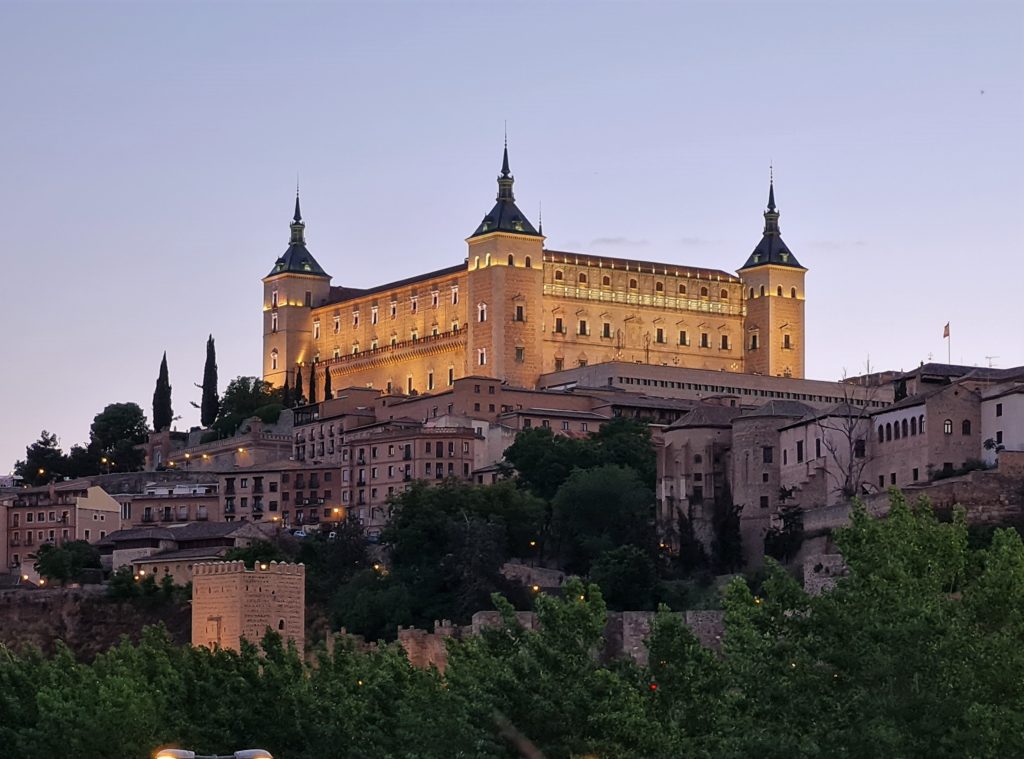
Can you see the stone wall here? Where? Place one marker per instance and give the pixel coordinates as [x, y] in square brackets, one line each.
[84, 619]
[625, 634]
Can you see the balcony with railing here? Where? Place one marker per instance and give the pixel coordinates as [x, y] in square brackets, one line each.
[433, 343]
[669, 302]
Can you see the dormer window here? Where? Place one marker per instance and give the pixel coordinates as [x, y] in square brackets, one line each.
[784, 256]
[757, 257]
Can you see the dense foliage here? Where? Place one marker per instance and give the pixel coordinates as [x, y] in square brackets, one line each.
[916, 653]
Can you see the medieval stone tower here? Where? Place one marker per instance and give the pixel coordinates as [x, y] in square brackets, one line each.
[773, 290]
[505, 282]
[294, 287]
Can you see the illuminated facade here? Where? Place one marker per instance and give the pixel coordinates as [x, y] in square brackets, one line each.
[514, 310]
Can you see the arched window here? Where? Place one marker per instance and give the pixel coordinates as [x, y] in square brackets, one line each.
[511, 260]
[632, 284]
[583, 278]
[606, 281]
[703, 292]
[913, 425]
[659, 287]
[751, 293]
[273, 359]
[792, 292]
[920, 424]
[904, 427]
[896, 430]
[947, 427]
[965, 428]
[881, 434]
[888, 431]
[481, 312]
[476, 262]
[682, 289]
[529, 263]
[487, 261]
[779, 291]
[724, 295]
[559, 276]
[762, 291]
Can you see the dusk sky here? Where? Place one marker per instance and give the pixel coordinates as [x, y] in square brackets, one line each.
[150, 152]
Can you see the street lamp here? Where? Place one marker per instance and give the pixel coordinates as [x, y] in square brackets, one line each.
[177, 753]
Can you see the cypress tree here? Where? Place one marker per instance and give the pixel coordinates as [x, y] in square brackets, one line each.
[328, 394]
[312, 383]
[211, 401]
[298, 385]
[163, 415]
[286, 394]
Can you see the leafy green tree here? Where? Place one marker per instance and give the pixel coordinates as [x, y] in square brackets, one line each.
[627, 442]
[598, 510]
[163, 415]
[210, 405]
[115, 432]
[44, 461]
[543, 461]
[66, 563]
[245, 397]
[627, 577]
[333, 562]
[257, 552]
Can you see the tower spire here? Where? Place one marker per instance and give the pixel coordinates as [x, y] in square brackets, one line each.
[297, 218]
[771, 187]
[505, 180]
[298, 226]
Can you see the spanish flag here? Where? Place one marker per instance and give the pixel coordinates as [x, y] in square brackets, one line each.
[945, 330]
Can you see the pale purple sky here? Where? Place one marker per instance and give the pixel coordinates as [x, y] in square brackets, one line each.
[150, 153]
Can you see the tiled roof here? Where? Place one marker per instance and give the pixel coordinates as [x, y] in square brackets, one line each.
[643, 267]
[707, 415]
[342, 294]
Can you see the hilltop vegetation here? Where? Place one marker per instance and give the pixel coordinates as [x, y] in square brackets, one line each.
[915, 654]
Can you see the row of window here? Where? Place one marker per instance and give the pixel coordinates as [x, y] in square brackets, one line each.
[778, 292]
[659, 287]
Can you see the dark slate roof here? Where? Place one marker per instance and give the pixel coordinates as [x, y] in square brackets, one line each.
[210, 552]
[505, 216]
[297, 260]
[632, 264]
[794, 409]
[707, 415]
[771, 249]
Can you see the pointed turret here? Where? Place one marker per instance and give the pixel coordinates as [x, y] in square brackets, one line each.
[505, 216]
[297, 259]
[771, 249]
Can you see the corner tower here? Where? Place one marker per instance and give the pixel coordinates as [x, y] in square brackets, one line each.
[292, 289]
[773, 291]
[505, 283]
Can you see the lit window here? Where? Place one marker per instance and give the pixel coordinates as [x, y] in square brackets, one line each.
[434, 298]
[373, 315]
[273, 322]
[355, 318]
[394, 309]
[273, 359]
[273, 299]
[481, 312]
[316, 329]
[947, 427]
[481, 355]
[413, 304]
[455, 296]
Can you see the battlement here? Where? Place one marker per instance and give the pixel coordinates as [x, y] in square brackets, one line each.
[238, 567]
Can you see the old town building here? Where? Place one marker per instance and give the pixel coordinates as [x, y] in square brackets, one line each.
[513, 310]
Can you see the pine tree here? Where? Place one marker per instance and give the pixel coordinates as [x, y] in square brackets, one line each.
[163, 415]
[298, 385]
[328, 393]
[211, 401]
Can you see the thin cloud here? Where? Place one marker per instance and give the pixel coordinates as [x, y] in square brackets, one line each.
[618, 242]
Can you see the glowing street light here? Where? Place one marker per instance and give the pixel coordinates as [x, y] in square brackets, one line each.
[178, 753]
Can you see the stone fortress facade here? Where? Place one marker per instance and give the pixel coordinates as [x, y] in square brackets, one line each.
[514, 310]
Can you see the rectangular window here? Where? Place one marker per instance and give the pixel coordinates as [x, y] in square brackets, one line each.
[682, 337]
[606, 329]
[999, 409]
[725, 342]
[451, 376]
[999, 437]
[519, 314]
[766, 454]
[373, 315]
[914, 474]
[430, 380]
[799, 451]
[892, 478]
[273, 299]
[434, 298]
[583, 426]
[817, 448]
[413, 305]
[785, 342]
[764, 502]
[753, 342]
[583, 327]
[559, 328]
[559, 364]
[337, 324]
[659, 335]
[393, 309]
[520, 354]
[355, 318]
[481, 356]
[704, 340]
[309, 299]
[273, 322]
[316, 329]
[565, 426]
